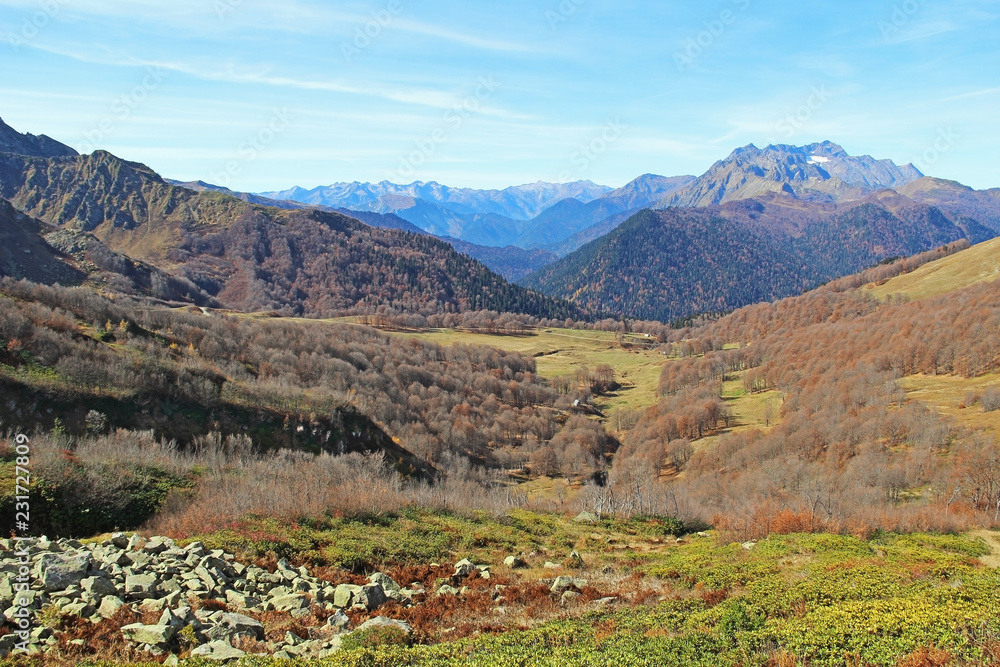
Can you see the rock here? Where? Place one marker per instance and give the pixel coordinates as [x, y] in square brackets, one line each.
[110, 606]
[171, 661]
[515, 562]
[339, 621]
[586, 517]
[374, 596]
[60, 572]
[7, 644]
[135, 542]
[345, 595]
[383, 622]
[218, 651]
[157, 635]
[386, 582]
[749, 545]
[98, 586]
[447, 590]
[243, 624]
[561, 584]
[240, 600]
[575, 560]
[140, 586]
[464, 568]
[120, 540]
[549, 565]
[569, 596]
[290, 602]
[607, 601]
[81, 609]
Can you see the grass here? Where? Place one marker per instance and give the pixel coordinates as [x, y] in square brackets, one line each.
[947, 395]
[817, 600]
[979, 263]
[561, 352]
[749, 411]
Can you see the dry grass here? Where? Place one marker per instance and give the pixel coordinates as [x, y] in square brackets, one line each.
[948, 395]
[560, 352]
[980, 263]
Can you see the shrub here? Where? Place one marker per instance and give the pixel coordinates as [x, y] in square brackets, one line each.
[990, 399]
[375, 637]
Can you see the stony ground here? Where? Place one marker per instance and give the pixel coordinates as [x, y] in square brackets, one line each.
[167, 600]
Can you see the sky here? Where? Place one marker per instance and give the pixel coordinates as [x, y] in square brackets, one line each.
[262, 96]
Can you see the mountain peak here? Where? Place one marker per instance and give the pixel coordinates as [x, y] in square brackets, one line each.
[12, 141]
[817, 171]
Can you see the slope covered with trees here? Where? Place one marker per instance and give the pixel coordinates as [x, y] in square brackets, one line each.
[671, 264]
[251, 257]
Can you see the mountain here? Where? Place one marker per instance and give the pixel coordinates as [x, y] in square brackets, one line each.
[820, 172]
[511, 262]
[521, 202]
[12, 141]
[39, 252]
[252, 257]
[564, 220]
[957, 199]
[677, 262]
[202, 186]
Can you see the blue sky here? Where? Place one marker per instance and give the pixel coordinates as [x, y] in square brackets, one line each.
[266, 95]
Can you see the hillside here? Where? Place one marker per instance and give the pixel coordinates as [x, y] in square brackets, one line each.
[980, 263]
[252, 257]
[670, 264]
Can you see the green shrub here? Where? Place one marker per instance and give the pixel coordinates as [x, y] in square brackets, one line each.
[376, 637]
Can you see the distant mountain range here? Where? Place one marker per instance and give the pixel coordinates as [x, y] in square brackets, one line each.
[521, 202]
[759, 225]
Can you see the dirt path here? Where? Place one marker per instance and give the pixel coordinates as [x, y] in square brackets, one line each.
[993, 540]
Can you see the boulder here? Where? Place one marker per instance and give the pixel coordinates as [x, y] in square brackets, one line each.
[243, 624]
[99, 586]
[58, 573]
[110, 606]
[140, 586]
[383, 622]
[561, 584]
[156, 635]
[515, 562]
[218, 651]
[290, 602]
[464, 568]
[345, 595]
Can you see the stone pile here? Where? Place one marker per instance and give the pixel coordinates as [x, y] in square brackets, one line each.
[95, 581]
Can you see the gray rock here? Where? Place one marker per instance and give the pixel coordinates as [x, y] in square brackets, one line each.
[385, 581]
[60, 572]
[243, 624]
[110, 606]
[374, 596]
[339, 621]
[99, 586]
[561, 584]
[383, 622]
[515, 562]
[140, 586]
[156, 635]
[290, 602]
[345, 595]
[447, 590]
[119, 540]
[218, 651]
[464, 568]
